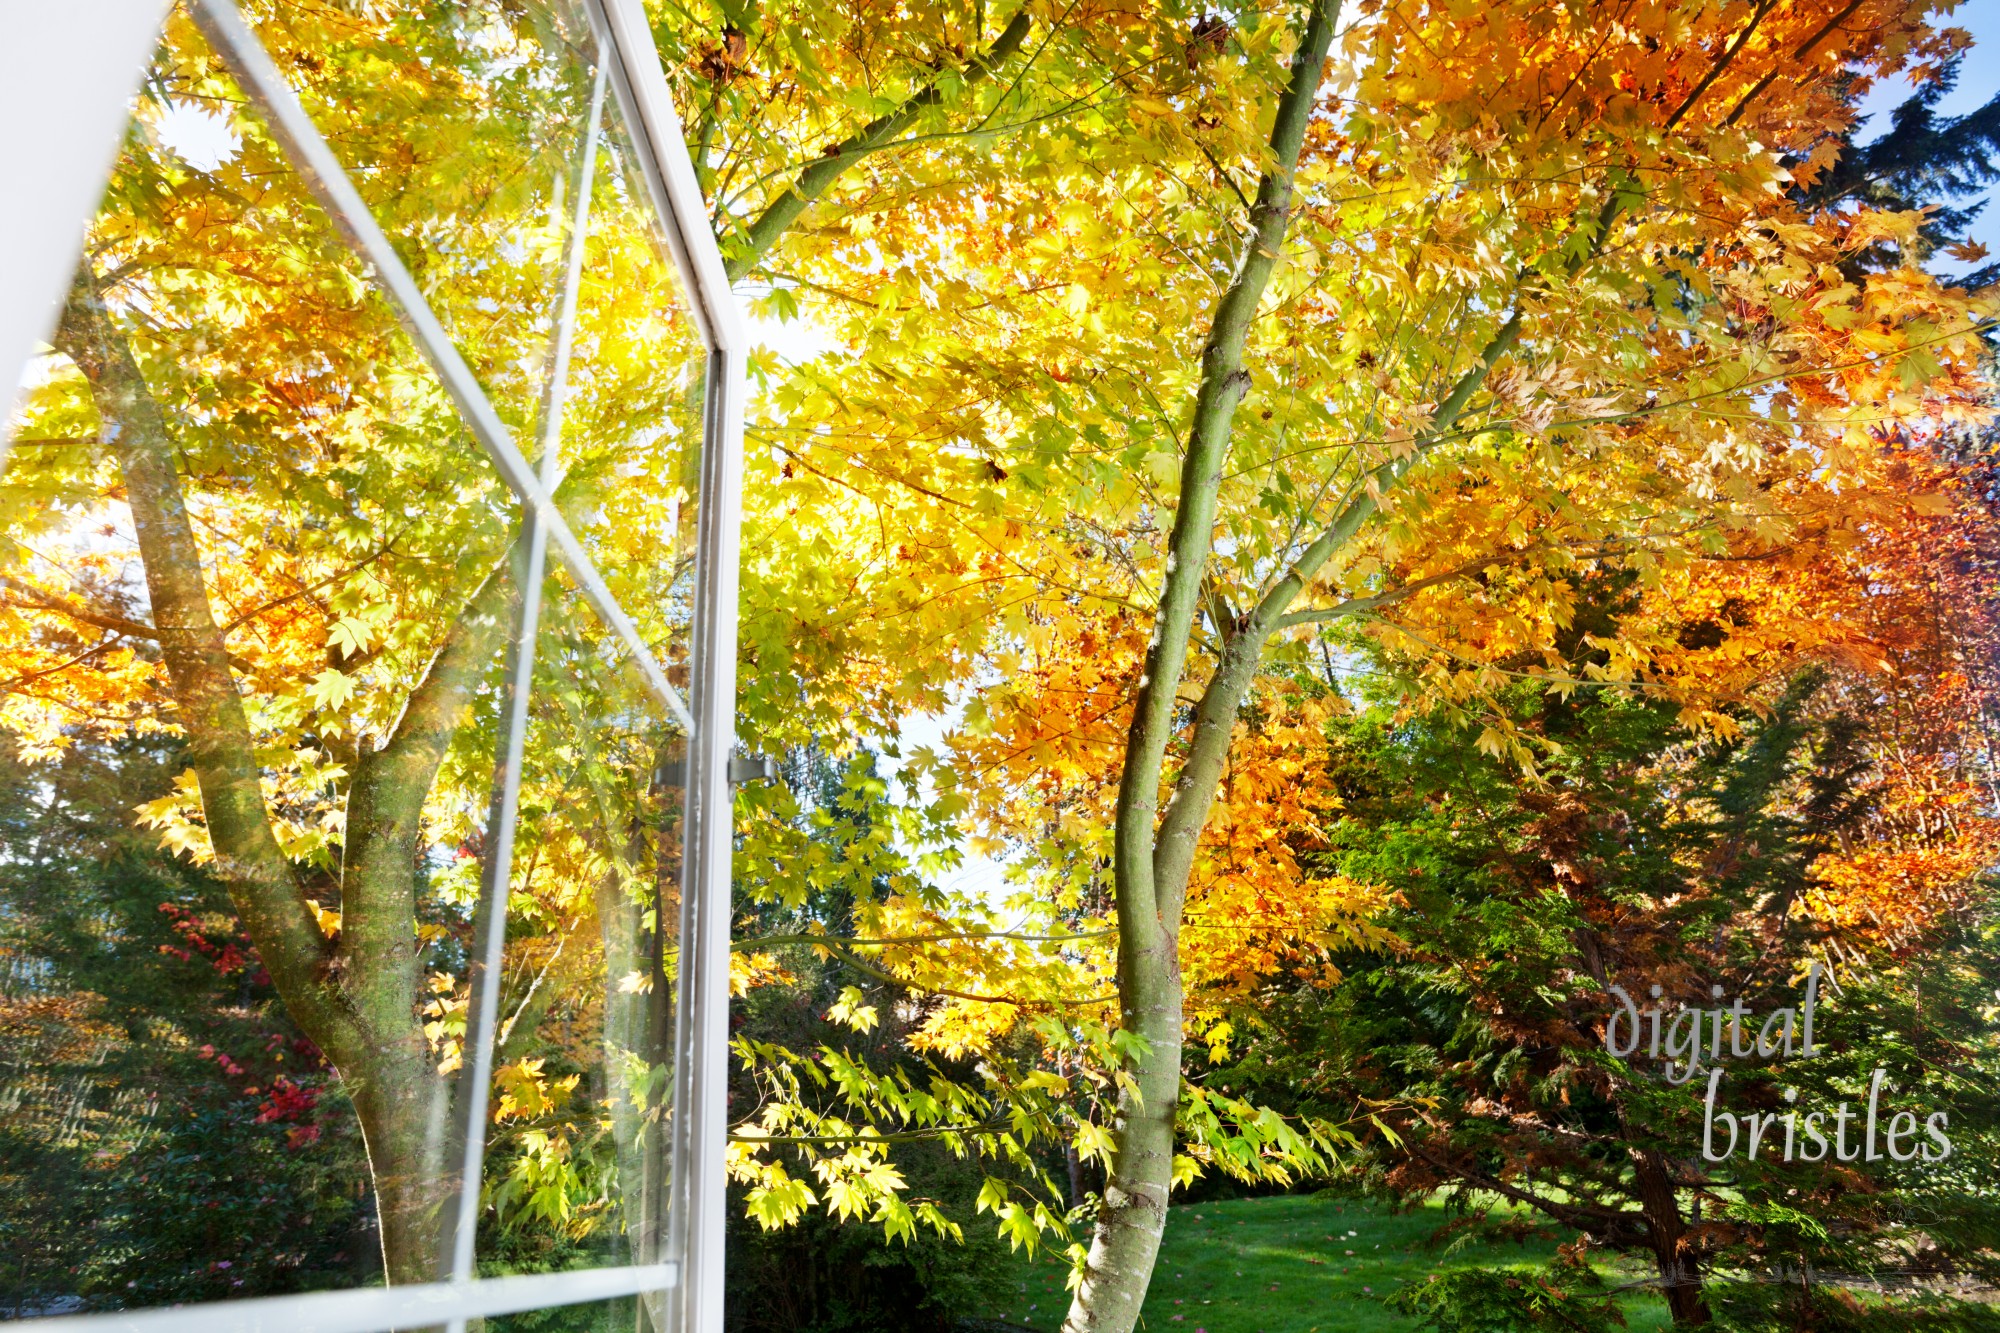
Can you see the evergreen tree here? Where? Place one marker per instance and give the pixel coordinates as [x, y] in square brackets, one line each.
[1645, 860]
[1921, 160]
[166, 1133]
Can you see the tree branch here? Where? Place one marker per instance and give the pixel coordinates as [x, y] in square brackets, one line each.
[764, 233]
[1215, 715]
[41, 600]
[819, 941]
[1799, 54]
[1361, 606]
[880, 974]
[262, 885]
[1223, 384]
[1727, 59]
[900, 1136]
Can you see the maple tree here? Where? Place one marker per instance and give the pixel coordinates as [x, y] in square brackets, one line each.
[1517, 295]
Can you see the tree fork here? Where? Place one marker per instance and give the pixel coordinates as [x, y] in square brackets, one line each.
[371, 1037]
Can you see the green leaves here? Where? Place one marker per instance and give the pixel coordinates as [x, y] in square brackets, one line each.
[331, 689]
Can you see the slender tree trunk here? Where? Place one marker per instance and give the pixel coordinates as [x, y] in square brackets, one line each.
[1152, 860]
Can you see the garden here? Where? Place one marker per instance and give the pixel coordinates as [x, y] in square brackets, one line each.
[1345, 674]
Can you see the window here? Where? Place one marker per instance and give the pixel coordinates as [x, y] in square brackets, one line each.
[372, 527]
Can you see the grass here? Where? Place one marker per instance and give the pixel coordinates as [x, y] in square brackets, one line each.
[1290, 1265]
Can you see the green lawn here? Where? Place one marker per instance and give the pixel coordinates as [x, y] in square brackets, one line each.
[1288, 1265]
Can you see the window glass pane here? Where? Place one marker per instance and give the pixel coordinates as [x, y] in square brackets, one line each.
[260, 586]
[632, 420]
[575, 1171]
[576, 1151]
[461, 126]
[256, 604]
[613, 1316]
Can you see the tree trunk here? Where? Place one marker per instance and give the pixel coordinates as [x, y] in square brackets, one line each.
[365, 1022]
[1680, 1273]
[402, 1106]
[1152, 858]
[249, 861]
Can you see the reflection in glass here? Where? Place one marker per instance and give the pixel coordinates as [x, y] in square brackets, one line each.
[460, 126]
[575, 1154]
[257, 591]
[631, 440]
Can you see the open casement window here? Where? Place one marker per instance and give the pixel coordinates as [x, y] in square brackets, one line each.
[368, 581]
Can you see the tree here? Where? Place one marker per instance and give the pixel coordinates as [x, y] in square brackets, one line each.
[1650, 859]
[1526, 298]
[925, 1263]
[1530, 303]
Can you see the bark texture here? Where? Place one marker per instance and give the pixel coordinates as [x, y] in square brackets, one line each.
[1680, 1273]
[358, 1000]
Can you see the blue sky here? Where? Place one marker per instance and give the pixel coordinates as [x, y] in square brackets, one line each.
[1978, 81]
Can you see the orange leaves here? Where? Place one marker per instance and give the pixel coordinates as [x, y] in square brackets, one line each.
[1934, 839]
[1252, 906]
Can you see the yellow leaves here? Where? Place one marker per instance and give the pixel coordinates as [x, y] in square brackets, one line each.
[326, 919]
[351, 635]
[853, 1010]
[331, 689]
[527, 1094]
[444, 1023]
[776, 1197]
[1093, 1142]
[1043, 1080]
[177, 816]
[1869, 226]
[859, 1183]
